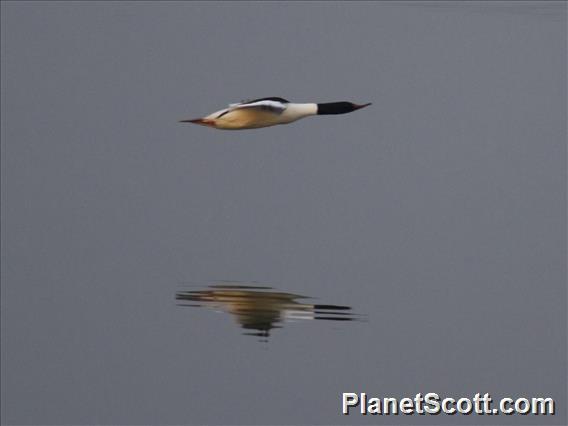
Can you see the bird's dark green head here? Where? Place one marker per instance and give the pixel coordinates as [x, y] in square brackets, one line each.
[339, 108]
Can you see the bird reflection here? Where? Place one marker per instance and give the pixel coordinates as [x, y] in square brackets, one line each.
[258, 309]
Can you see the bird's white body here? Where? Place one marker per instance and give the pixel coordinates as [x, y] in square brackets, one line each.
[253, 118]
[266, 112]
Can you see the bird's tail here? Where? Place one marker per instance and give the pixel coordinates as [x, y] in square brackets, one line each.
[200, 121]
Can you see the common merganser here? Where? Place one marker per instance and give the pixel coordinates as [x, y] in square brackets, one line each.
[265, 112]
[260, 308]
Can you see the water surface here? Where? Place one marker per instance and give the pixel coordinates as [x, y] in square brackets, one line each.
[438, 214]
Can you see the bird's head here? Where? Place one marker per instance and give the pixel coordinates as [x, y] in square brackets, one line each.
[339, 107]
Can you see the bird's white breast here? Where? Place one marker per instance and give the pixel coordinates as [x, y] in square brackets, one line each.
[296, 111]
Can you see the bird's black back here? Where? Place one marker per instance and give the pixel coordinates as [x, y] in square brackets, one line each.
[276, 99]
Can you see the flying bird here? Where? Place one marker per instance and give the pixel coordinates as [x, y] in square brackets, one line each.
[265, 112]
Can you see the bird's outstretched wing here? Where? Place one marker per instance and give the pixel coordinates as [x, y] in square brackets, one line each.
[275, 107]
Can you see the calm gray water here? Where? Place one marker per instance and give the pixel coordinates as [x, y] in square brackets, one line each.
[437, 215]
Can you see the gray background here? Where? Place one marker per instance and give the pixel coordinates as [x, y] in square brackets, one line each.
[439, 212]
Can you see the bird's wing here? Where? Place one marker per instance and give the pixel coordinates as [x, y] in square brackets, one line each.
[270, 106]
